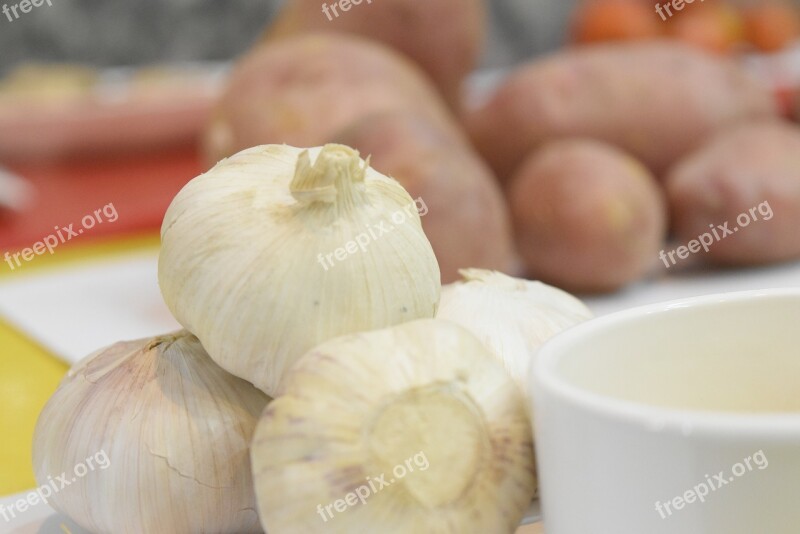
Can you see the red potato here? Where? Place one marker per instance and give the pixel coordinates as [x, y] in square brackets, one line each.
[301, 91]
[655, 100]
[465, 217]
[587, 216]
[444, 37]
[745, 181]
[796, 105]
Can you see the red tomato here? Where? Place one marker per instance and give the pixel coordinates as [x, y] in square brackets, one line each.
[716, 27]
[614, 20]
[772, 26]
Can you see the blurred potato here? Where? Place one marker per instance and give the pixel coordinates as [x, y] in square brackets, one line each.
[444, 37]
[754, 172]
[796, 105]
[656, 100]
[303, 90]
[466, 219]
[587, 216]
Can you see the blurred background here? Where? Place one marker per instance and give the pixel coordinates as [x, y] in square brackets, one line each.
[104, 102]
[111, 34]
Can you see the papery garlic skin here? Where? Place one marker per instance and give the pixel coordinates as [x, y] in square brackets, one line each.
[511, 316]
[356, 407]
[241, 247]
[176, 431]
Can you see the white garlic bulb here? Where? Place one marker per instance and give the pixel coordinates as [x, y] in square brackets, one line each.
[277, 249]
[150, 436]
[511, 316]
[413, 428]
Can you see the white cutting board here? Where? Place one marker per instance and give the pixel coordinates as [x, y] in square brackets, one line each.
[76, 310]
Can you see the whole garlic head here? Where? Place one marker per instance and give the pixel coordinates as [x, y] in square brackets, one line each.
[161, 435]
[415, 428]
[277, 249]
[513, 317]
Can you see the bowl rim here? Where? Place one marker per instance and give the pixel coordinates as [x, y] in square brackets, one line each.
[547, 381]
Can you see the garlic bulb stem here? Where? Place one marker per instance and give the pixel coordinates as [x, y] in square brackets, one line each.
[337, 176]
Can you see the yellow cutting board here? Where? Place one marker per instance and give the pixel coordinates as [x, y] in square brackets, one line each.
[29, 374]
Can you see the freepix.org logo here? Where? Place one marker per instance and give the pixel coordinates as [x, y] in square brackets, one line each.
[107, 213]
[373, 485]
[99, 460]
[26, 6]
[371, 234]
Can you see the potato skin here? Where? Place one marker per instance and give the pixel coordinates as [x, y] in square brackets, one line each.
[468, 223]
[444, 37]
[302, 90]
[587, 217]
[735, 172]
[655, 100]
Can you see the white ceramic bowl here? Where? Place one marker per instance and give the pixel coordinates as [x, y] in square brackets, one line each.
[674, 418]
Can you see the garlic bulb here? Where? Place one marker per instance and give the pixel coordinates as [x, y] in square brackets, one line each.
[277, 249]
[513, 317]
[150, 436]
[412, 428]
